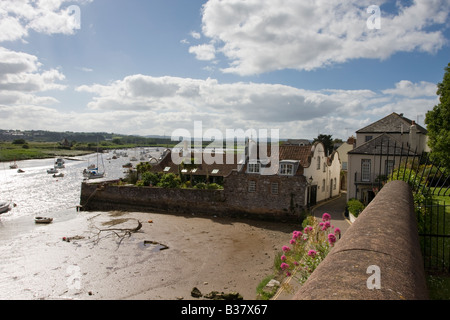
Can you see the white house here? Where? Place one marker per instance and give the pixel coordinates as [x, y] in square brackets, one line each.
[379, 148]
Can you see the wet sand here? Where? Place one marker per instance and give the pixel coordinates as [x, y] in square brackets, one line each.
[210, 253]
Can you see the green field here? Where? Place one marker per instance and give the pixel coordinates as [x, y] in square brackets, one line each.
[35, 150]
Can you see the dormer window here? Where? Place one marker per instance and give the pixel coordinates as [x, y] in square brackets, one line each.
[254, 168]
[286, 169]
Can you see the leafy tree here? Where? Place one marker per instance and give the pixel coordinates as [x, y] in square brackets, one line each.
[327, 142]
[170, 181]
[19, 141]
[438, 123]
[150, 178]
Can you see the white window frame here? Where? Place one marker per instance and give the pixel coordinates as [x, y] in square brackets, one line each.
[366, 168]
[254, 168]
[286, 169]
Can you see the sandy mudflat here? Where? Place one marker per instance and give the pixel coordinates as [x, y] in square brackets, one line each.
[212, 254]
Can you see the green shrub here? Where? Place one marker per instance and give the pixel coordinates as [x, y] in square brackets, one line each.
[355, 207]
[150, 178]
[169, 181]
[200, 185]
[213, 186]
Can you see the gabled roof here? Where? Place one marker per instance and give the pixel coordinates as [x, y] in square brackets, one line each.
[384, 144]
[300, 153]
[393, 123]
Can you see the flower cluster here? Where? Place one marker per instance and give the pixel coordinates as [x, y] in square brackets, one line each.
[309, 247]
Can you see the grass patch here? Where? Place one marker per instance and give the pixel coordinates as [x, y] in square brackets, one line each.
[34, 150]
[439, 286]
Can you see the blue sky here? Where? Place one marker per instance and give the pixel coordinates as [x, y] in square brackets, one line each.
[152, 66]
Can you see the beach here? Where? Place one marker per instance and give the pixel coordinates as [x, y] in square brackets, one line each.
[164, 260]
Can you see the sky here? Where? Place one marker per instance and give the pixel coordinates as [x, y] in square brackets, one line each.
[152, 67]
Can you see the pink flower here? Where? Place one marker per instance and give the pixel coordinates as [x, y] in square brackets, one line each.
[283, 258]
[337, 231]
[331, 238]
[295, 263]
[296, 234]
[288, 274]
[312, 253]
[286, 248]
[326, 217]
[292, 241]
[284, 266]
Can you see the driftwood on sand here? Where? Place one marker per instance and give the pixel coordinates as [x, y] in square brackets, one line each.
[121, 233]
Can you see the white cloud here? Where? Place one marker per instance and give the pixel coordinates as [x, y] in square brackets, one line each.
[195, 35]
[205, 52]
[163, 104]
[22, 80]
[258, 36]
[17, 17]
[409, 89]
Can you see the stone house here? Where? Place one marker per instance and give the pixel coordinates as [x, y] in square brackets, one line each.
[379, 148]
[289, 177]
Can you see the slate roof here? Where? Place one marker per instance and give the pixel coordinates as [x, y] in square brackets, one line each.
[215, 169]
[384, 144]
[392, 123]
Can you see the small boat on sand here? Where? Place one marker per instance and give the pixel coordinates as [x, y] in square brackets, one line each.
[5, 206]
[43, 220]
[59, 175]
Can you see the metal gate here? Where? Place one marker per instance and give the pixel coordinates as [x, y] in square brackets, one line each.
[430, 184]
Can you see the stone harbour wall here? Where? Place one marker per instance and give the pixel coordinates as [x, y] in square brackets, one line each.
[234, 200]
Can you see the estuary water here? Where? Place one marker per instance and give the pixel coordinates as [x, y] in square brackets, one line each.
[213, 254]
[37, 193]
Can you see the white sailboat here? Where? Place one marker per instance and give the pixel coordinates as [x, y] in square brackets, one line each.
[94, 173]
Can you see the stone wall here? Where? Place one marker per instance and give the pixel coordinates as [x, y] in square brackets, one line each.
[287, 198]
[378, 257]
[234, 200]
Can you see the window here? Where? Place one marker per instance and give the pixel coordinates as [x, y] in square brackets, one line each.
[318, 163]
[389, 166]
[344, 165]
[334, 186]
[365, 170]
[324, 167]
[323, 185]
[368, 138]
[274, 188]
[253, 168]
[286, 169]
[166, 169]
[215, 171]
[252, 186]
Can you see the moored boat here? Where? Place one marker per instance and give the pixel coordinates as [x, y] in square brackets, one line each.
[43, 220]
[5, 206]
